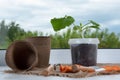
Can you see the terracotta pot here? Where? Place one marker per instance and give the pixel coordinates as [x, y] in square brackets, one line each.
[43, 46]
[21, 55]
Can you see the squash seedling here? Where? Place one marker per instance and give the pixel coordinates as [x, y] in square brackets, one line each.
[83, 50]
[66, 21]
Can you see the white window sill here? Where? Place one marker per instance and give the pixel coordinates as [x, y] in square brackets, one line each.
[103, 56]
[64, 56]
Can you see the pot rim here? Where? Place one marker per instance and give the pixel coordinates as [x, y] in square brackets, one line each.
[83, 41]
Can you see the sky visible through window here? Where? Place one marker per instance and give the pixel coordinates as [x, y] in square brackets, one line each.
[35, 15]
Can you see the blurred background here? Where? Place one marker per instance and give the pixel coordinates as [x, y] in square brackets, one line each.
[20, 19]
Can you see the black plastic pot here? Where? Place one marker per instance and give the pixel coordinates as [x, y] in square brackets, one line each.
[84, 51]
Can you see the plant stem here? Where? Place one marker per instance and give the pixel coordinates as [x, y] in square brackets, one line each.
[84, 28]
[82, 34]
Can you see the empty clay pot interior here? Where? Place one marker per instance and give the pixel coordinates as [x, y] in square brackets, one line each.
[24, 55]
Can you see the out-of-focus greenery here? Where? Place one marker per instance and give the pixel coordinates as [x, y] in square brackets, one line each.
[107, 39]
[11, 32]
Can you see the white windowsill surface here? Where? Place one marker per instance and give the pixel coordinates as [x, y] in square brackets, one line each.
[103, 56]
[64, 56]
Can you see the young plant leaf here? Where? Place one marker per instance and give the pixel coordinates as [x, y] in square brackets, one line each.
[75, 27]
[61, 23]
[81, 24]
[94, 23]
[96, 27]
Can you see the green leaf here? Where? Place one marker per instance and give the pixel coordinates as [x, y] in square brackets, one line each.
[75, 27]
[94, 23]
[81, 24]
[96, 27]
[61, 23]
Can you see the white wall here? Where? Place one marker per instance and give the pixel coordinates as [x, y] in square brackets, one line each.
[64, 56]
[104, 56]
[2, 57]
